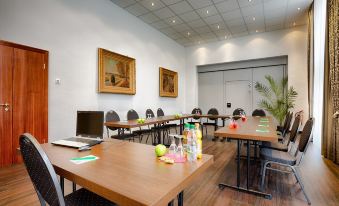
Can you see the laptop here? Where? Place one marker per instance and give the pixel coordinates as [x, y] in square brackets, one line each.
[89, 130]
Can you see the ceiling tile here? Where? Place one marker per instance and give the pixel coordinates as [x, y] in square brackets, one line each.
[254, 19]
[181, 7]
[175, 36]
[217, 1]
[203, 29]
[235, 22]
[183, 41]
[244, 3]
[240, 34]
[137, 9]
[237, 29]
[253, 10]
[275, 13]
[123, 3]
[226, 6]
[275, 27]
[213, 19]
[170, 2]
[197, 4]
[160, 24]
[207, 11]
[232, 15]
[222, 33]
[209, 35]
[175, 20]
[168, 31]
[181, 27]
[274, 21]
[189, 16]
[149, 18]
[152, 4]
[164, 13]
[281, 4]
[196, 23]
[218, 27]
[256, 26]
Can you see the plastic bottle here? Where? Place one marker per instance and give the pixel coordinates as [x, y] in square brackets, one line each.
[186, 131]
[199, 141]
[193, 145]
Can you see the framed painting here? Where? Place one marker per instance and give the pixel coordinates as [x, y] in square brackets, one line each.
[116, 73]
[168, 83]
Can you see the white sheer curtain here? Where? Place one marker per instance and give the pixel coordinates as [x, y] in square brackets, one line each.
[319, 57]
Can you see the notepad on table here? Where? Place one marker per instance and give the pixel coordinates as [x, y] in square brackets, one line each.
[262, 130]
[81, 160]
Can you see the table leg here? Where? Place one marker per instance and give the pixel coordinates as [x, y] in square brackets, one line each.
[237, 187]
[181, 198]
[74, 186]
[62, 185]
[248, 163]
[181, 125]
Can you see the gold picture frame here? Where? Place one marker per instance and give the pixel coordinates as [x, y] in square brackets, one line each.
[168, 86]
[116, 73]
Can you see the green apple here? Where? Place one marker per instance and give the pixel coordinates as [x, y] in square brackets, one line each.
[160, 150]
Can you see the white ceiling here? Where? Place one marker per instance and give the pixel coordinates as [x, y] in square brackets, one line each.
[191, 22]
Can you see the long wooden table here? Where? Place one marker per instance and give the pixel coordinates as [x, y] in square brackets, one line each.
[248, 131]
[127, 173]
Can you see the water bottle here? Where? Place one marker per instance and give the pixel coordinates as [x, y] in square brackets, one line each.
[193, 146]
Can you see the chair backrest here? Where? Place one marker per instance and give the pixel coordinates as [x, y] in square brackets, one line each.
[132, 114]
[213, 111]
[258, 113]
[196, 110]
[288, 124]
[286, 119]
[305, 135]
[294, 130]
[40, 171]
[160, 112]
[112, 116]
[149, 113]
[238, 111]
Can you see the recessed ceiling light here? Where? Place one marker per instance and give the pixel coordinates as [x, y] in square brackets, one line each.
[249, 0]
[152, 3]
[218, 27]
[256, 31]
[253, 18]
[188, 33]
[173, 21]
[207, 11]
[226, 37]
[298, 8]
[294, 24]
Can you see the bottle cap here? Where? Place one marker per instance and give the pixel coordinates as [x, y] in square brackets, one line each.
[187, 125]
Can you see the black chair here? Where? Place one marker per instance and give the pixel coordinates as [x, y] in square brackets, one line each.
[282, 131]
[237, 112]
[155, 129]
[212, 111]
[291, 138]
[132, 115]
[113, 116]
[45, 180]
[282, 159]
[258, 113]
[196, 110]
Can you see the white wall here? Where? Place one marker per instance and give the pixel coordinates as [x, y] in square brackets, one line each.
[291, 42]
[72, 31]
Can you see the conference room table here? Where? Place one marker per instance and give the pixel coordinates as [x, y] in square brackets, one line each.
[253, 129]
[127, 173]
[158, 121]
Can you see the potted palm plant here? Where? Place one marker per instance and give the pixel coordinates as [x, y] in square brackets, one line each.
[278, 99]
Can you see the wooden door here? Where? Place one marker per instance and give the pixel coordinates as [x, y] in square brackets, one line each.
[30, 99]
[6, 67]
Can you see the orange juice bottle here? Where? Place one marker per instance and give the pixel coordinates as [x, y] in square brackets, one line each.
[199, 140]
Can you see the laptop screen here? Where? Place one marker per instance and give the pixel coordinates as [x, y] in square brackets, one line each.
[90, 123]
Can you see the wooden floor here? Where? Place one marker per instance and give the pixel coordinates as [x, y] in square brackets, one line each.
[320, 177]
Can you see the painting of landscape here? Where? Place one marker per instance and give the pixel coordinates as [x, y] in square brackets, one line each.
[168, 83]
[116, 73]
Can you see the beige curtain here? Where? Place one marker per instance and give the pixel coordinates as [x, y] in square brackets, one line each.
[330, 141]
[310, 59]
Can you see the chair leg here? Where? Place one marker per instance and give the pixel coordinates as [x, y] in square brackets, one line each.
[74, 186]
[263, 176]
[301, 184]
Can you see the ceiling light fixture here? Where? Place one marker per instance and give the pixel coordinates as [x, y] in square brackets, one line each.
[298, 8]
[188, 33]
[207, 11]
[173, 21]
[226, 37]
[253, 18]
[256, 31]
[152, 3]
[249, 0]
[218, 27]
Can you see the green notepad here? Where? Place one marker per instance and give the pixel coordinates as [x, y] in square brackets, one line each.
[263, 125]
[264, 121]
[262, 130]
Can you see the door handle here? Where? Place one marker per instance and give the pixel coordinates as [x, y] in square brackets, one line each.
[6, 105]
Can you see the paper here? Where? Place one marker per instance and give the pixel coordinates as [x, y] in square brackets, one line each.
[261, 130]
[264, 121]
[262, 125]
[81, 160]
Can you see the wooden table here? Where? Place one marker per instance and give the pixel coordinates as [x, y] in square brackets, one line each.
[127, 173]
[248, 131]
